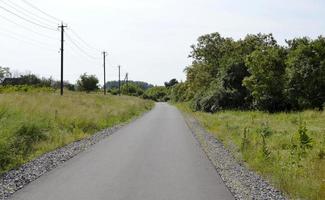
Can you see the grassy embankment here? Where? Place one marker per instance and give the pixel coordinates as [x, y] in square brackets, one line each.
[35, 122]
[286, 148]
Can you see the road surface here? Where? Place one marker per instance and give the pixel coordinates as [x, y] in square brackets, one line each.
[153, 158]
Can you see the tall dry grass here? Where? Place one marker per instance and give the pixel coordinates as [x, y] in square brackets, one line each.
[36, 122]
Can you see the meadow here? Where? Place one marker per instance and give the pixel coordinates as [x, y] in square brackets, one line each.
[33, 122]
[288, 149]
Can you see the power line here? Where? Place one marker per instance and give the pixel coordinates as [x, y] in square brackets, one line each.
[23, 12]
[79, 48]
[45, 47]
[23, 18]
[43, 12]
[26, 28]
[27, 38]
[83, 41]
[28, 11]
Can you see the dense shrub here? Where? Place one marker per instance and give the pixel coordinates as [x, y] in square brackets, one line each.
[88, 83]
[158, 93]
[254, 72]
[132, 89]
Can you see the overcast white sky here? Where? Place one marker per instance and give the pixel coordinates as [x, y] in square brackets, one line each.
[150, 39]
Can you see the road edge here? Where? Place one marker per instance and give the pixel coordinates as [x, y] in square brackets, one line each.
[241, 182]
[16, 179]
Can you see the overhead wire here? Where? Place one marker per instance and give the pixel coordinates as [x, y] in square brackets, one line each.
[26, 28]
[9, 35]
[77, 41]
[40, 10]
[79, 48]
[23, 36]
[83, 41]
[38, 16]
[23, 13]
[30, 21]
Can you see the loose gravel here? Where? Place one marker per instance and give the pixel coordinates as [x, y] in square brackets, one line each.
[16, 179]
[242, 182]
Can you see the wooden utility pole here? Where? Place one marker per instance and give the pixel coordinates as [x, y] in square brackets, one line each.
[127, 81]
[62, 50]
[119, 80]
[104, 55]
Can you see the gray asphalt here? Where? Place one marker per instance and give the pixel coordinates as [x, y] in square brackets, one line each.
[153, 158]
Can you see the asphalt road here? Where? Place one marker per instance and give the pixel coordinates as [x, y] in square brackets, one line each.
[153, 158]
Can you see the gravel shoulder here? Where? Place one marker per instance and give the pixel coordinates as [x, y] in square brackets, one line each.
[242, 182]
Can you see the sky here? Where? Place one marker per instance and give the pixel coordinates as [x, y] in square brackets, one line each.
[150, 39]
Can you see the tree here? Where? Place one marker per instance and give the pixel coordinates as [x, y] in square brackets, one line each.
[4, 73]
[306, 73]
[171, 83]
[157, 93]
[132, 89]
[88, 83]
[266, 81]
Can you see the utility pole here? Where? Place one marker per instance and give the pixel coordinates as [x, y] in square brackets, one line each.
[127, 81]
[119, 80]
[62, 50]
[104, 55]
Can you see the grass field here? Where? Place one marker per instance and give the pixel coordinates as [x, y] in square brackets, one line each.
[286, 148]
[32, 123]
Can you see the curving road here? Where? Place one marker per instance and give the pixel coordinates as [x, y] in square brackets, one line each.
[153, 158]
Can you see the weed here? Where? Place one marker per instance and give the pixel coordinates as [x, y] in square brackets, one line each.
[305, 140]
[245, 141]
[300, 175]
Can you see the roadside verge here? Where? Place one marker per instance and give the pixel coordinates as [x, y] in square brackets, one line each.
[16, 179]
[242, 182]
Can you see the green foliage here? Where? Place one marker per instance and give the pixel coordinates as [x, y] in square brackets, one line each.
[28, 134]
[178, 93]
[88, 83]
[157, 93]
[24, 88]
[254, 72]
[132, 89]
[171, 83]
[265, 131]
[266, 81]
[305, 140]
[4, 73]
[306, 73]
[288, 157]
[114, 84]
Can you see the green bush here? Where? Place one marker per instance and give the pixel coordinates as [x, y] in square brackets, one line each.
[158, 93]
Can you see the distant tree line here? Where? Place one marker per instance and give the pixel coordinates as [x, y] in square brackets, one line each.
[254, 73]
[141, 84]
[87, 83]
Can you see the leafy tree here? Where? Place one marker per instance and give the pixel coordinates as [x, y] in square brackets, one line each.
[171, 83]
[141, 84]
[266, 82]
[306, 73]
[4, 73]
[88, 83]
[157, 93]
[179, 93]
[132, 89]
[30, 79]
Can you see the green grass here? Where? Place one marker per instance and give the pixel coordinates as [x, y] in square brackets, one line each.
[293, 162]
[32, 123]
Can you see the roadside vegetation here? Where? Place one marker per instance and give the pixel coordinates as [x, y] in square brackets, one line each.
[265, 102]
[41, 120]
[286, 148]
